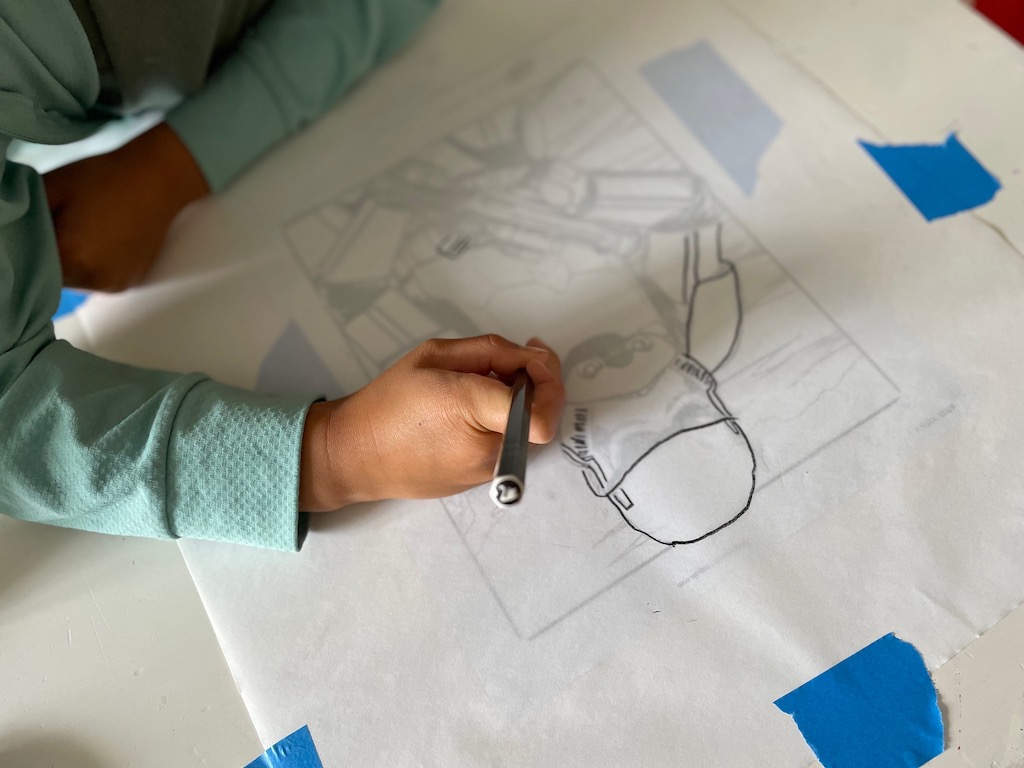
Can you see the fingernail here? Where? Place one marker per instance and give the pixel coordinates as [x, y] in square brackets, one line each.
[538, 350]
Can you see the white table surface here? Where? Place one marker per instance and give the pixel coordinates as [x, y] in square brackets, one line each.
[107, 657]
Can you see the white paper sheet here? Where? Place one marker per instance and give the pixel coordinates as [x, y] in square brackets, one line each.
[915, 70]
[872, 377]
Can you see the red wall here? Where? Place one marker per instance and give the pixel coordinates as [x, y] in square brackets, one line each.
[1008, 14]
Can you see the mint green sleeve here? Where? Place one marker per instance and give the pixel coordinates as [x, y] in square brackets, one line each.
[295, 62]
[87, 443]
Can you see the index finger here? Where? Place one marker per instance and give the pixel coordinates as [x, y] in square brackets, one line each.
[548, 395]
[552, 362]
[482, 355]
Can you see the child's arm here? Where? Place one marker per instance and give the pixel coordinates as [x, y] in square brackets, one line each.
[297, 61]
[84, 442]
[87, 443]
[113, 211]
[91, 444]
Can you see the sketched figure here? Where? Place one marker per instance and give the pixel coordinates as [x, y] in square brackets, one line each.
[682, 426]
[562, 202]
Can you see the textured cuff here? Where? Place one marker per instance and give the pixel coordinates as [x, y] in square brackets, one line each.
[233, 467]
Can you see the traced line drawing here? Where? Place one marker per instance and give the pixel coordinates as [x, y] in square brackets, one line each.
[692, 402]
[562, 214]
[510, 192]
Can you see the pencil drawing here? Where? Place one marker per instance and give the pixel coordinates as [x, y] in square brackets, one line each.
[693, 361]
[528, 203]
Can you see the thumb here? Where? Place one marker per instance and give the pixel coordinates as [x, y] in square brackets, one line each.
[485, 401]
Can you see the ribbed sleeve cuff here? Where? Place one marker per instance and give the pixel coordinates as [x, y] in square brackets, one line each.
[230, 123]
[233, 467]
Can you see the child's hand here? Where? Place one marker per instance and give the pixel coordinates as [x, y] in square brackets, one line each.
[429, 426]
[112, 212]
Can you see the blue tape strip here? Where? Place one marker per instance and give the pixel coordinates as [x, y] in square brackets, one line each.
[724, 113]
[69, 302]
[294, 751]
[877, 708]
[939, 179]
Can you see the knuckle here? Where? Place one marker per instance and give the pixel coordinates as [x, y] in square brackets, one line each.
[436, 344]
[428, 348]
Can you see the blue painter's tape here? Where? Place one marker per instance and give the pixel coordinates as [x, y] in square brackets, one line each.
[293, 367]
[69, 302]
[939, 179]
[294, 751]
[877, 708]
[724, 113]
